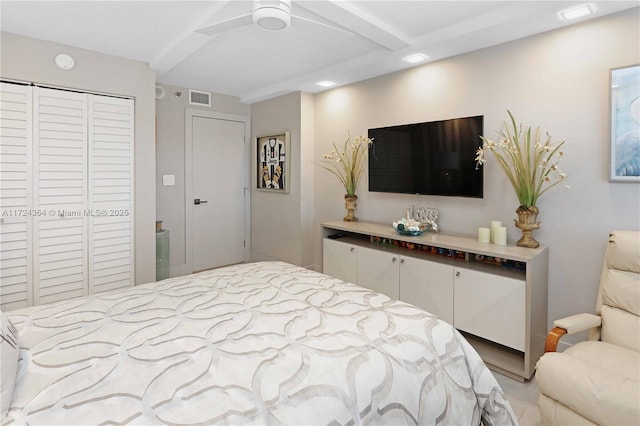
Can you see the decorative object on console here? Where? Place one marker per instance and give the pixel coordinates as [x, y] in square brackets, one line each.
[496, 234]
[500, 235]
[347, 165]
[409, 227]
[532, 168]
[494, 224]
[484, 235]
[527, 222]
[427, 216]
[350, 203]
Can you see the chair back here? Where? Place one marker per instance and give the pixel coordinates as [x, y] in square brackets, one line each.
[619, 295]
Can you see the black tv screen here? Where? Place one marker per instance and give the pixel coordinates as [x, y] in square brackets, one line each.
[433, 158]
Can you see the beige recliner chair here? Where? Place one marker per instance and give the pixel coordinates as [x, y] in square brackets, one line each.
[598, 381]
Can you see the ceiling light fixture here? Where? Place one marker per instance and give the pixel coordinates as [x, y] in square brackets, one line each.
[272, 15]
[325, 83]
[415, 58]
[576, 12]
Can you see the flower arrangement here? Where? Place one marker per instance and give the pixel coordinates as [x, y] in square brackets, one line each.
[348, 164]
[530, 164]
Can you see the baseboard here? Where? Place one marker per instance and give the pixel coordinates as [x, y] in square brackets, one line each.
[179, 270]
[260, 258]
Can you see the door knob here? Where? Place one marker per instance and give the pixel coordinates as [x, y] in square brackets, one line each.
[199, 201]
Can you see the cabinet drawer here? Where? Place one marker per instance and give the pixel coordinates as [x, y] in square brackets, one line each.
[490, 306]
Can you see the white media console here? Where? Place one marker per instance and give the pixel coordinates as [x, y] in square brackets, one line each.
[495, 295]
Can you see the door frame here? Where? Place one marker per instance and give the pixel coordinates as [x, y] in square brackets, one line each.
[190, 114]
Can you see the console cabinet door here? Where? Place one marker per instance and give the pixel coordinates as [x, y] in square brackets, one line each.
[339, 260]
[428, 285]
[490, 306]
[378, 271]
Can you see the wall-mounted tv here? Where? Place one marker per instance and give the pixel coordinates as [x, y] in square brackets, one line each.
[432, 158]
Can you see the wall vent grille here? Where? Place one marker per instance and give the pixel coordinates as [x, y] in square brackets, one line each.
[197, 97]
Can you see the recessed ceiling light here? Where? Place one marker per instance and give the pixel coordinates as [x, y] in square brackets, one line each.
[576, 12]
[415, 58]
[326, 83]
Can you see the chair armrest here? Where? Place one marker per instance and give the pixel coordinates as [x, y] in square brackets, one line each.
[570, 325]
[579, 322]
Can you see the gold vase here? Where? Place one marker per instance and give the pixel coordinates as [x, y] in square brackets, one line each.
[527, 222]
[350, 205]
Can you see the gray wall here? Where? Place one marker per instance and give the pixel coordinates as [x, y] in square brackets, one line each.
[32, 60]
[558, 80]
[281, 223]
[170, 160]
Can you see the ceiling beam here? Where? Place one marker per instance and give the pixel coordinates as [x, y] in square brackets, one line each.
[187, 43]
[347, 15]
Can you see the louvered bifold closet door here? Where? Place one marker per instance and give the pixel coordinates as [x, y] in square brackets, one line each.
[60, 191]
[15, 196]
[111, 136]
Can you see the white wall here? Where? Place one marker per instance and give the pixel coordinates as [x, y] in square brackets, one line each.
[32, 60]
[170, 160]
[557, 80]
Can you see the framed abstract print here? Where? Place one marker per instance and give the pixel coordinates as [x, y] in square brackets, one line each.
[272, 163]
[624, 159]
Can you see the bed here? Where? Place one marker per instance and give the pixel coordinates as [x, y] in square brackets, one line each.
[256, 343]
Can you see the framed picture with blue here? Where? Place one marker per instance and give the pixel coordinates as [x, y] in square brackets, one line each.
[624, 160]
[272, 162]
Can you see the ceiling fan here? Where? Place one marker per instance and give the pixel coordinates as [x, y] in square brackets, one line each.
[272, 15]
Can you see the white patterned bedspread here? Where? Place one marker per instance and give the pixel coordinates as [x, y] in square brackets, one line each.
[258, 343]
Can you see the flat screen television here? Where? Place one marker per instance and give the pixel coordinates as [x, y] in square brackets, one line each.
[432, 158]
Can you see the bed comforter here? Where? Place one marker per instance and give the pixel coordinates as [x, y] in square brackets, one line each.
[258, 343]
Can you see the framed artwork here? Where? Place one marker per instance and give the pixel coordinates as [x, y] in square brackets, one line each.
[624, 158]
[272, 163]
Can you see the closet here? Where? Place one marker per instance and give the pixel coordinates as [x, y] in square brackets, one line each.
[66, 194]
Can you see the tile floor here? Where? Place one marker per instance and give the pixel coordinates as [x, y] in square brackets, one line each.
[523, 398]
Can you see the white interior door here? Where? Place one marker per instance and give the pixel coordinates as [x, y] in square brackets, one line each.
[218, 176]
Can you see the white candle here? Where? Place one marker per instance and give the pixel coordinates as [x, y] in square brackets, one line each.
[500, 236]
[494, 224]
[484, 235]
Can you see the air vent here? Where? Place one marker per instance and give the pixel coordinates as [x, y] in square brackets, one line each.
[199, 98]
